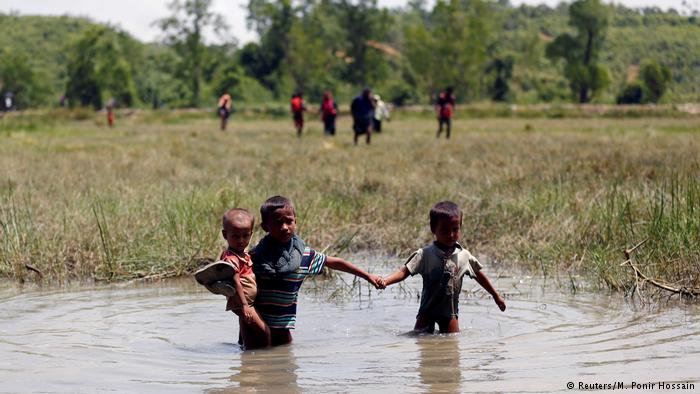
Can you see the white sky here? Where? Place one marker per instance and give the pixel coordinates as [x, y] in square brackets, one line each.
[137, 16]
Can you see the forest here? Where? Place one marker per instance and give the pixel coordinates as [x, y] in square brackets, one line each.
[490, 51]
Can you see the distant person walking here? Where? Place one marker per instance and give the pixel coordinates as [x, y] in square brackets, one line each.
[381, 112]
[111, 106]
[298, 108]
[8, 101]
[362, 109]
[225, 105]
[329, 111]
[444, 106]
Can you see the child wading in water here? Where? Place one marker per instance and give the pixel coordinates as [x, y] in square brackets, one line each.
[232, 276]
[282, 261]
[443, 265]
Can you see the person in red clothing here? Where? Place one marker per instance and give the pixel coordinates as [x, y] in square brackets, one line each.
[111, 106]
[444, 107]
[329, 111]
[298, 108]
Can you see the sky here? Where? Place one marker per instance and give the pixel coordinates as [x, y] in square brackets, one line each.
[137, 16]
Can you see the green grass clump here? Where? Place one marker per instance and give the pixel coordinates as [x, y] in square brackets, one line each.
[554, 196]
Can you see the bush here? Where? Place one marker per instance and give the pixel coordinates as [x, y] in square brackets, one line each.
[631, 94]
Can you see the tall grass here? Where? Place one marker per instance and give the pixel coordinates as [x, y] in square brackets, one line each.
[666, 214]
[559, 197]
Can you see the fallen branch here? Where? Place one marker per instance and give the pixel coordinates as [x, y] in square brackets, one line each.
[688, 291]
[36, 270]
[153, 277]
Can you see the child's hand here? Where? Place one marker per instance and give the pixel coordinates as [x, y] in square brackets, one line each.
[376, 281]
[500, 302]
[247, 313]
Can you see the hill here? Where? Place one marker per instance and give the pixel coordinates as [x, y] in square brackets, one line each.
[521, 34]
[43, 40]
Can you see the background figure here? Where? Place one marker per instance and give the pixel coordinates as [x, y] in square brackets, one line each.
[111, 106]
[7, 101]
[445, 109]
[224, 110]
[362, 109]
[298, 108]
[381, 112]
[329, 111]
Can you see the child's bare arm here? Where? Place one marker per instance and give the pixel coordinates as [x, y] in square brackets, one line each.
[486, 284]
[398, 276]
[339, 264]
[246, 309]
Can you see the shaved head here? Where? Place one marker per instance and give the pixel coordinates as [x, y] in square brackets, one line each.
[238, 217]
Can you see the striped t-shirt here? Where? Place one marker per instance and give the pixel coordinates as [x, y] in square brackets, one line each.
[277, 296]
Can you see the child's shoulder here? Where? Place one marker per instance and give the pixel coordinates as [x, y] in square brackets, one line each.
[418, 254]
[427, 249]
[469, 262]
[236, 258]
[465, 254]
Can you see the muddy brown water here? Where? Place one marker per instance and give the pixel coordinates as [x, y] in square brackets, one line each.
[175, 337]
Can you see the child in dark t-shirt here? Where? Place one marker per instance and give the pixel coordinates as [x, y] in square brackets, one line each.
[443, 264]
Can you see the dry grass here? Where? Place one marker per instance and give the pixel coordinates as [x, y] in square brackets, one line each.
[79, 201]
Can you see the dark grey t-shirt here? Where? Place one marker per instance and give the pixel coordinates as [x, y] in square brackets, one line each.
[442, 278]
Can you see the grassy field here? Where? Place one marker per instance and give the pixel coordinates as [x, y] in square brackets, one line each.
[560, 197]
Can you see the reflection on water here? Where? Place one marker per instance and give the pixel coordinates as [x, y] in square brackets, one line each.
[175, 337]
[438, 358]
[254, 373]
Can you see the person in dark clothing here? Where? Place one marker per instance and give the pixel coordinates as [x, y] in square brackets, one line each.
[362, 109]
[445, 109]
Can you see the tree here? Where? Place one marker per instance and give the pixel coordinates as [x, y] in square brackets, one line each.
[308, 61]
[18, 78]
[97, 69]
[365, 26]
[453, 46]
[184, 32]
[502, 69]
[156, 82]
[656, 77]
[580, 53]
[273, 21]
[420, 44]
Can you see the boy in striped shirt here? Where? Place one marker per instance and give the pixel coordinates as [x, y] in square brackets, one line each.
[281, 262]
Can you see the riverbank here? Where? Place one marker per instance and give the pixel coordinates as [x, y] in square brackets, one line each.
[555, 196]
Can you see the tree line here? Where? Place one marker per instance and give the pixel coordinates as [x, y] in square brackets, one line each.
[488, 50]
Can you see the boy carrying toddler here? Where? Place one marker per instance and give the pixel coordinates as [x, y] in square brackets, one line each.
[266, 301]
[281, 262]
